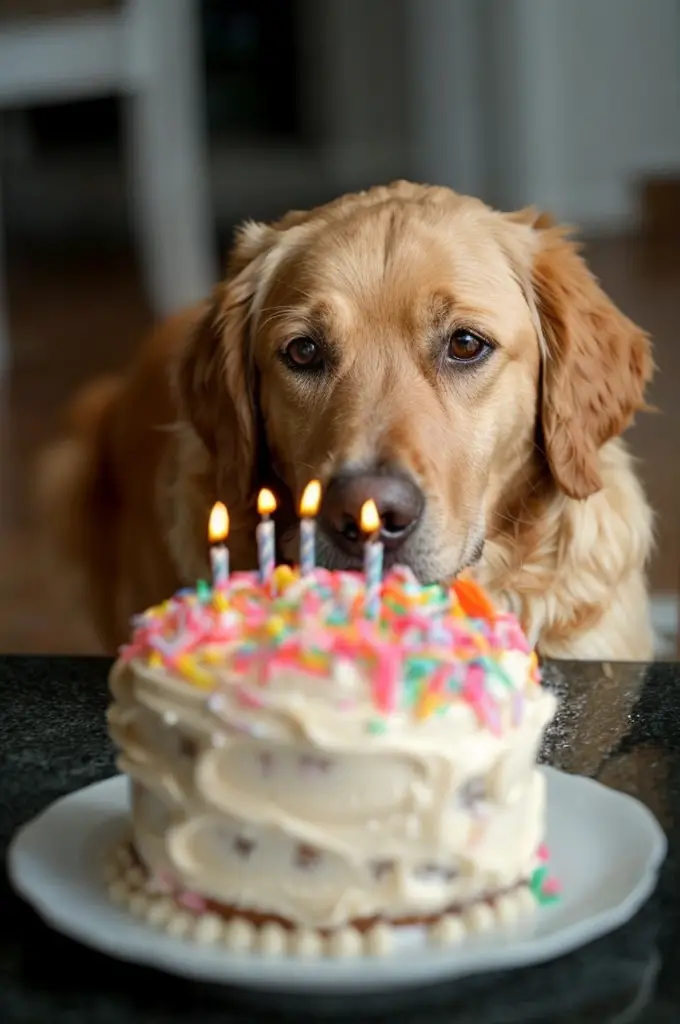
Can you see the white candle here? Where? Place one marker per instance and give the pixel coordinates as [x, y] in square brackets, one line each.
[218, 531]
[373, 558]
[266, 540]
[309, 506]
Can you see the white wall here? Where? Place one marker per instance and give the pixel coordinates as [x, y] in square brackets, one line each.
[577, 99]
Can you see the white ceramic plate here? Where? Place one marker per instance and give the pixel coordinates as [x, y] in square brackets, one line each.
[605, 847]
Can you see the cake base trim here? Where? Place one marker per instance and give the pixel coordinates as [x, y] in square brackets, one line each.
[130, 886]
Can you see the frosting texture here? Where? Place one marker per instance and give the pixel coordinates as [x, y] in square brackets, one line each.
[290, 756]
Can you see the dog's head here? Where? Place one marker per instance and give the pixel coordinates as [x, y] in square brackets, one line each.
[414, 346]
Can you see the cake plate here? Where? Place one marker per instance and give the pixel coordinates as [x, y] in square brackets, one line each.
[605, 849]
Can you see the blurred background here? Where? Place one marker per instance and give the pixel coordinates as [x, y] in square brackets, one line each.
[134, 134]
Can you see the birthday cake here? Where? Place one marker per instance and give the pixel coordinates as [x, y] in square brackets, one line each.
[308, 780]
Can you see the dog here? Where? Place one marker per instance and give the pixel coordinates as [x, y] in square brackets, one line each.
[459, 365]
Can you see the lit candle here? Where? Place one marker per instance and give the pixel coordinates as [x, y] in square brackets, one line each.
[373, 557]
[218, 531]
[309, 506]
[266, 546]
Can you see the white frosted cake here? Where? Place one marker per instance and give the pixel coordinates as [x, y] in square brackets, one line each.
[306, 780]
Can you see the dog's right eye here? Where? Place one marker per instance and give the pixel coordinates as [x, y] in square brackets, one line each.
[303, 354]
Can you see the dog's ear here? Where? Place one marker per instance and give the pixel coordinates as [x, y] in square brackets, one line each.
[215, 376]
[596, 362]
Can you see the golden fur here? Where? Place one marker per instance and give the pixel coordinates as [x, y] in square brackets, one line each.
[521, 453]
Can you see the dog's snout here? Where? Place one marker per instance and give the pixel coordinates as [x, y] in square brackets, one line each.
[399, 501]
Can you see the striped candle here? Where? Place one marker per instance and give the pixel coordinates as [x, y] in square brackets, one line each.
[373, 558]
[266, 539]
[307, 546]
[219, 564]
[309, 506]
[218, 531]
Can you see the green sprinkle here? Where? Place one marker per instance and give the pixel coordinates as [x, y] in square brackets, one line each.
[204, 592]
[376, 727]
[537, 879]
[417, 668]
[411, 690]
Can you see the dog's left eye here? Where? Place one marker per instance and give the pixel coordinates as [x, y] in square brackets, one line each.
[303, 354]
[464, 346]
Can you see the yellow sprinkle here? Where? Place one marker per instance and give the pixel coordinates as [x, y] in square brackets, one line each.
[275, 625]
[219, 601]
[155, 660]
[212, 655]
[282, 578]
[426, 705]
[314, 659]
[196, 675]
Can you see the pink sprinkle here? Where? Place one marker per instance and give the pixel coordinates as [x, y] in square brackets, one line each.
[542, 853]
[440, 679]
[192, 901]
[311, 604]
[473, 690]
[248, 700]
[387, 678]
[551, 887]
[346, 648]
[291, 659]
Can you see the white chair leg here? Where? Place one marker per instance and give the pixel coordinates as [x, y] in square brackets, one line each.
[168, 155]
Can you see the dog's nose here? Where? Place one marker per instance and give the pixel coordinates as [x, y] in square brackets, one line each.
[400, 505]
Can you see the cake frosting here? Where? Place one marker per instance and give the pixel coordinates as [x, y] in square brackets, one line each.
[305, 776]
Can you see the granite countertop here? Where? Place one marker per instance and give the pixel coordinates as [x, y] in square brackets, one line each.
[619, 723]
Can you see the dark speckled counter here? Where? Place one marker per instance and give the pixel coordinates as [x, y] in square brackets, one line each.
[618, 723]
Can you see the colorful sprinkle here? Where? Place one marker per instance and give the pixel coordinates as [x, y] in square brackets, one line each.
[544, 887]
[192, 901]
[473, 600]
[431, 646]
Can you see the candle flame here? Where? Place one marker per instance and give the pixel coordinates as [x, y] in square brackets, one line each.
[369, 519]
[311, 499]
[266, 502]
[218, 526]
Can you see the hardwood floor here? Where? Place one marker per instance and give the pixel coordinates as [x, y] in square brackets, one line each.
[77, 313]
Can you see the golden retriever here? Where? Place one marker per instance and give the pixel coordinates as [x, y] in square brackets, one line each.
[458, 364]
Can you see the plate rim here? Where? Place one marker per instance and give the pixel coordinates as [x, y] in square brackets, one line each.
[320, 976]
